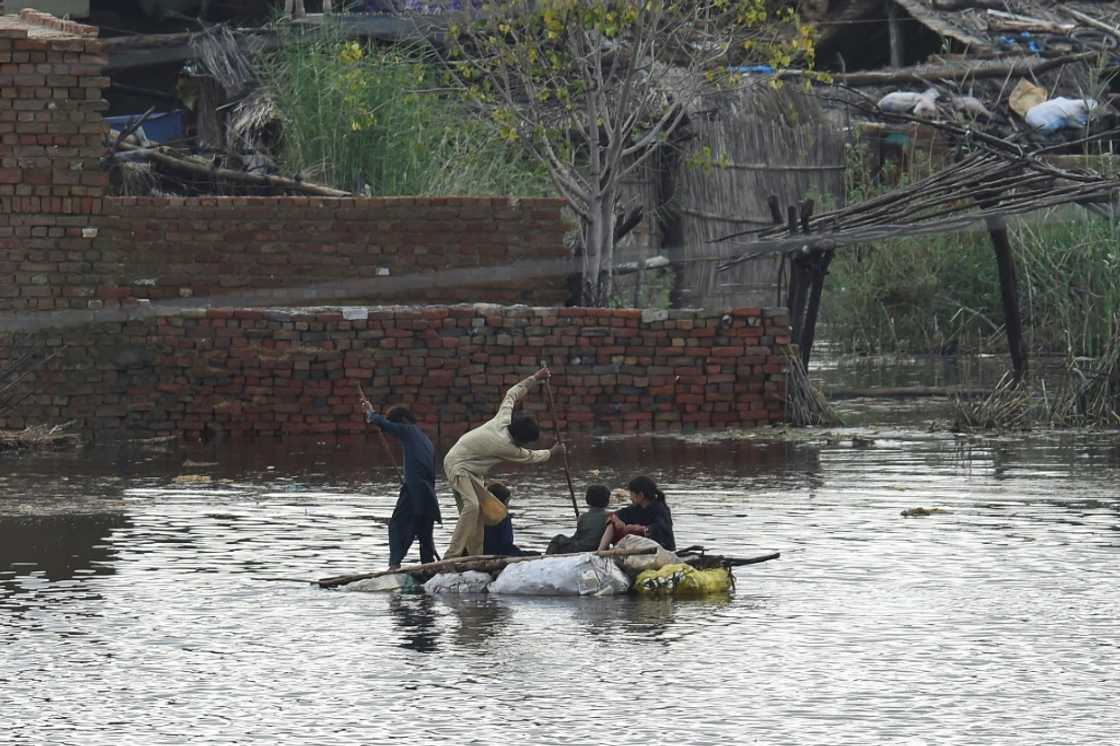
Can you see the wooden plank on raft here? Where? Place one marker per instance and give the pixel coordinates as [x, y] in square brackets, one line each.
[483, 563]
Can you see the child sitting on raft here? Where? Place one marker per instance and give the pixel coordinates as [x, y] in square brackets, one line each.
[589, 527]
[647, 515]
[498, 540]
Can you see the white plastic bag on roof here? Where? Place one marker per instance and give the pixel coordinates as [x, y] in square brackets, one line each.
[471, 581]
[905, 102]
[577, 575]
[1060, 113]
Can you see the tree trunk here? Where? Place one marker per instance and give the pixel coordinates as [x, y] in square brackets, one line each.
[598, 251]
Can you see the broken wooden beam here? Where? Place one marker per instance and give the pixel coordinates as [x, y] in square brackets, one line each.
[925, 74]
[809, 325]
[967, 4]
[629, 268]
[999, 20]
[1088, 19]
[203, 170]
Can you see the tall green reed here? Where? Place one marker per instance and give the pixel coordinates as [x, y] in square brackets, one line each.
[377, 119]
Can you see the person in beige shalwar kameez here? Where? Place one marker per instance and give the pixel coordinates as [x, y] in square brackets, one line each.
[466, 465]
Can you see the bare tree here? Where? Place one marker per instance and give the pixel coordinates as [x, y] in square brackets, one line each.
[591, 88]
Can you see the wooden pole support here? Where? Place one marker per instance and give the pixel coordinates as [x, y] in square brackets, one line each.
[1009, 294]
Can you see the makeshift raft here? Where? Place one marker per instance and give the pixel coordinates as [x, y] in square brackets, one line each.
[689, 572]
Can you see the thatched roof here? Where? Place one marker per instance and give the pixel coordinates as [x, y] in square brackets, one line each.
[980, 28]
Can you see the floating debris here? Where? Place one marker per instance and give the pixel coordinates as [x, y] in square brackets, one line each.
[38, 436]
[192, 479]
[921, 512]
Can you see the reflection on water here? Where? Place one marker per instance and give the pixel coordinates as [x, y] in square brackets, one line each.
[135, 609]
[53, 558]
[414, 616]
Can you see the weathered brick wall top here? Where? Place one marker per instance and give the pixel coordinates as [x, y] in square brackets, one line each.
[36, 24]
[254, 251]
[279, 372]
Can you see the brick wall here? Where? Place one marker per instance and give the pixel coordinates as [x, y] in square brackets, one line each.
[116, 290]
[65, 245]
[290, 251]
[50, 138]
[300, 250]
[287, 372]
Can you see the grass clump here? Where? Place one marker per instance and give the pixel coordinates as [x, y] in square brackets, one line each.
[377, 120]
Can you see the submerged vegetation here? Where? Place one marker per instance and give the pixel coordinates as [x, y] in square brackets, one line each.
[941, 294]
[379, 121]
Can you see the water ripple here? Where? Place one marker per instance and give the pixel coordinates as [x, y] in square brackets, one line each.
[134, 612]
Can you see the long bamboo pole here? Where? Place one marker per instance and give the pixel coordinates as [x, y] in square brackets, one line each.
[560, 440]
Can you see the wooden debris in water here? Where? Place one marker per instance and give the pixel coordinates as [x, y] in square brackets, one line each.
[38, 437]
[192, 479]
[920, 512]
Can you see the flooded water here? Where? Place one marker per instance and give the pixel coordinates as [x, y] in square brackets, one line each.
[136, 610]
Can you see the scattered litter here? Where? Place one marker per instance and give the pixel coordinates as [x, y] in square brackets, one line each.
[970, 106]
[1025, 96]
[907, 102]
[1061, 113]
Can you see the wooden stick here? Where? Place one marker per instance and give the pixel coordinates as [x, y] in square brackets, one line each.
[923, 74]
[483, 562]
[560, 440]
[385, 441]
[1086, 18]
[202, 170]
[737, 562]
[392, 458]
[999, 20]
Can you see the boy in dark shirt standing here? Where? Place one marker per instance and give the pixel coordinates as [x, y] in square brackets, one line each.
[417, 509]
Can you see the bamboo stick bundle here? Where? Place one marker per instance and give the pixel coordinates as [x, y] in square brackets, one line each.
[805, 404]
